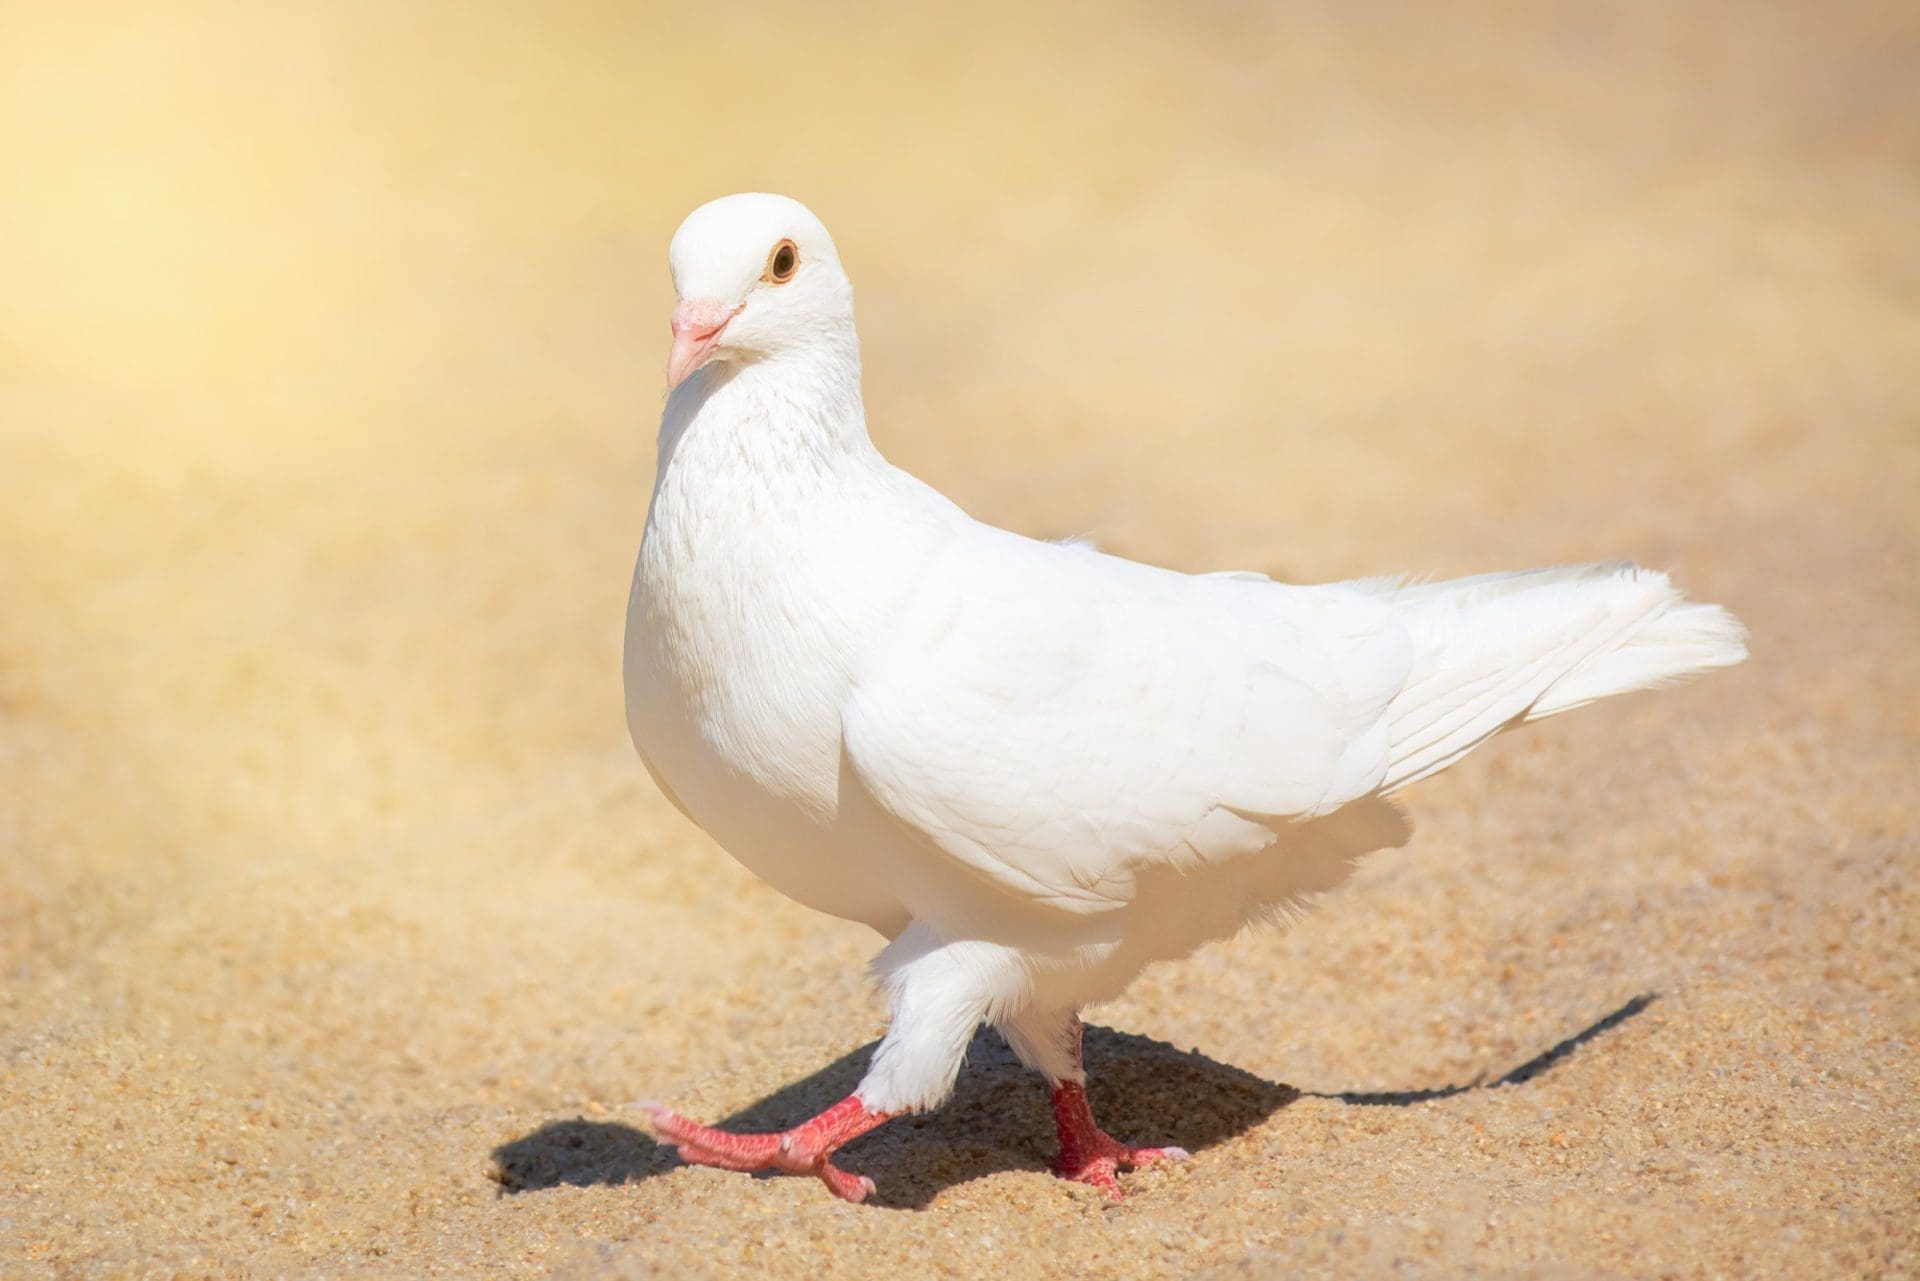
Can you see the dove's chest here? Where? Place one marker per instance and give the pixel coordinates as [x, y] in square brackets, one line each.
[756, 600]
[739, 644]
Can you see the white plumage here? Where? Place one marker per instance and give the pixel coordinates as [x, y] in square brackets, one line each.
[1035, 768]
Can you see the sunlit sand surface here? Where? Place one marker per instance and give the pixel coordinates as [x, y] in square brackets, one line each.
[339, 920]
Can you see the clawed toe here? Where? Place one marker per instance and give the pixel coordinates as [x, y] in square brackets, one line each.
[848, 1187]
[805, 1149]
[703, 1145]
[1102, 1171]
[1139, 1158]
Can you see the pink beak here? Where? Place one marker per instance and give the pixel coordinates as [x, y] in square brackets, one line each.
[697, 325]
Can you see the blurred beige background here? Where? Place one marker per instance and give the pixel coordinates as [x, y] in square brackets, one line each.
[338, 920]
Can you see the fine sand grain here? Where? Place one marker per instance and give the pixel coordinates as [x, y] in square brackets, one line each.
[339, 921]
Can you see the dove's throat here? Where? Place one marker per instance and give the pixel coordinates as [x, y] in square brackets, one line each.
[797, 412]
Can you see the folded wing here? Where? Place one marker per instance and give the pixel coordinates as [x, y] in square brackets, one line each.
[1059, 721]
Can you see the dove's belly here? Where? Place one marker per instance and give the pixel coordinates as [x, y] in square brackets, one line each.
[756, 767]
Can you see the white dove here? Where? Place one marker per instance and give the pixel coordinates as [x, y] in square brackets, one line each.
[1033, 767]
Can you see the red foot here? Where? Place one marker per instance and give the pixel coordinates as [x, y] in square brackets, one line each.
[1088, 1154]
[805, 1149]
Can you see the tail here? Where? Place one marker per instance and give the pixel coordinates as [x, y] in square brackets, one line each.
[1500, 650]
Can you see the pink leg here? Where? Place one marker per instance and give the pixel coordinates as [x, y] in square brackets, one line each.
[807, 1148]
[1088, 1154]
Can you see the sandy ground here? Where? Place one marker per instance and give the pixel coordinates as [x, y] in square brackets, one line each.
[338, 921]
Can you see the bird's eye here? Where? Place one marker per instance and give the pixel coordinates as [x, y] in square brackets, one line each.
[782, 263]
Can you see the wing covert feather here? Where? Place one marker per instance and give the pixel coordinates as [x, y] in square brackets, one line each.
[1058, 720]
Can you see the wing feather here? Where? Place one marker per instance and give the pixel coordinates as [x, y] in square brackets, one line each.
[1059, 721]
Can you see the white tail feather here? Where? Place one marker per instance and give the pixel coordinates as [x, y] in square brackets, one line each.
[1501, 649]
[1682, 641]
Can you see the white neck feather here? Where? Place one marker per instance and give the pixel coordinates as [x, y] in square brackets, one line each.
[793, 414]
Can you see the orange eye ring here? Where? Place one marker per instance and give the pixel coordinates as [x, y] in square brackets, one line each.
[782, 262]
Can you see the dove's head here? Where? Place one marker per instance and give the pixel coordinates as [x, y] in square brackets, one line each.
[756, 277]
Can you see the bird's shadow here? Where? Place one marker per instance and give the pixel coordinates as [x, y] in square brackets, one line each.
[998, 1119]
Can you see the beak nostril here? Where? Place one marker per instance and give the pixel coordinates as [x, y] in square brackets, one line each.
[697, 325]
